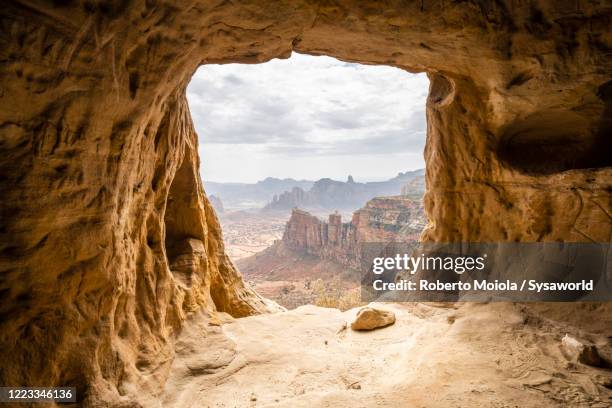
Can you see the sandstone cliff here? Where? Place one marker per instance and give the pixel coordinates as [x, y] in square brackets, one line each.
[383, 219]
[101, 193]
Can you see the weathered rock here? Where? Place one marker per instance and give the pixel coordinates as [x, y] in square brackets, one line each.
[576, 350]
[369, 318]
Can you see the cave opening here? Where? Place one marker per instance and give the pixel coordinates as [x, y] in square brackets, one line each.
[309, 133]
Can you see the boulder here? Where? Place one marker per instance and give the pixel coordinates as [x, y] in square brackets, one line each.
[576, 350]
[369, 318]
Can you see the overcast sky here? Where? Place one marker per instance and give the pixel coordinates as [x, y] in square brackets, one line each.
[307, 118]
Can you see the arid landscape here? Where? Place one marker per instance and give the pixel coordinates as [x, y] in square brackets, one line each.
[253, 240]
[248, 233]
[287, 250]
[297, 258]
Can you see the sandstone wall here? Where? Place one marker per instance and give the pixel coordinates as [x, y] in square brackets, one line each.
[108, 241]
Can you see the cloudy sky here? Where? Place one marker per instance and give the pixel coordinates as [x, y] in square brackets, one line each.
[307, 118]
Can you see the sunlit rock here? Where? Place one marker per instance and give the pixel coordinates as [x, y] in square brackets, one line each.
[369, 318]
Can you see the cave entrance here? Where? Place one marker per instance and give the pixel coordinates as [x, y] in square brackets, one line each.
[311, 133]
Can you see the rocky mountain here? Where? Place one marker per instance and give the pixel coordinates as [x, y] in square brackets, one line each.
[332, 194]
[383, 219]
[239, 196]
[318, 261]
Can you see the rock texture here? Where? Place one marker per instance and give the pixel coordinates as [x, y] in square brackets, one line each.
[369, 318]
[383, 219]
[100, 188]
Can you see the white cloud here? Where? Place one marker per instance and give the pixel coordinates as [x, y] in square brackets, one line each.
[307, 117]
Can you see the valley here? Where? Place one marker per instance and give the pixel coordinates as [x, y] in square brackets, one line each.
[300, 257]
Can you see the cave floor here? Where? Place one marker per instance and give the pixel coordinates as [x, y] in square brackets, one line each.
[470, 355]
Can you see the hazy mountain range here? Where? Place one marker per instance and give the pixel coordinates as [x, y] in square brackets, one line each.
[284, 194]
[328, 194]
[240, 196]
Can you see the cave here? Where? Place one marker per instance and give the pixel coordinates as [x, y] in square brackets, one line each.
[99, 276]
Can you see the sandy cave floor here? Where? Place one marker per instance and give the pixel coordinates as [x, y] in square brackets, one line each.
[471, 355]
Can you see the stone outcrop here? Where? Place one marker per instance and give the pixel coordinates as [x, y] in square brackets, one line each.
[100, 170]
[383, 219]
[579, 351]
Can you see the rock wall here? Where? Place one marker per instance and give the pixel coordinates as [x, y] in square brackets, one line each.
[383, 219]
[107, 239]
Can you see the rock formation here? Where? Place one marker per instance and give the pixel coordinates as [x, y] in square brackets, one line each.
[577, 351]
[383, 219]
[471, 355]
[100, 187]
[286, 200]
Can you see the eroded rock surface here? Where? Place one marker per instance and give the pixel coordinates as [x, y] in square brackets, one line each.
[100, 170]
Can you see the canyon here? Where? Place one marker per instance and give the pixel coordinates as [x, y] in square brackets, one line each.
[320, 261]
[114, 275]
